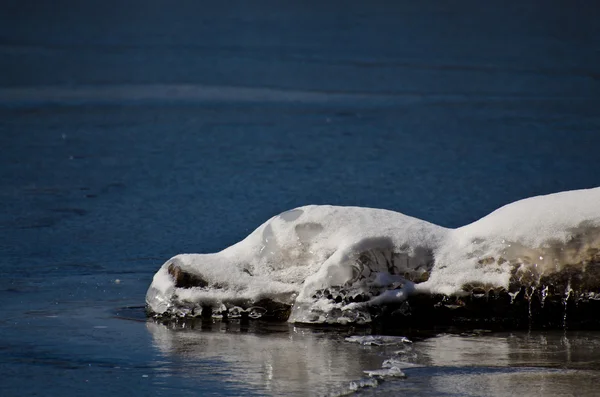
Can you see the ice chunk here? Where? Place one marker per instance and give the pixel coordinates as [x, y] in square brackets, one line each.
[327, 264]
[333, 252]
[363, 384]
[392, 362]
[394, 372]
[378, 340]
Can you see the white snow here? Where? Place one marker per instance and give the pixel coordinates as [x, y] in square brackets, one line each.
[331, 263]
[539, 235]
[294, 254]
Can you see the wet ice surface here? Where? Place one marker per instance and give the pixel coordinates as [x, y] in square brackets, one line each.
[291, 360]
[378, 340]
[132, 132]
[505, 364]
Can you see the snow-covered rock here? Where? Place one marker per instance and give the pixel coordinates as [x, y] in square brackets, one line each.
[326, 264]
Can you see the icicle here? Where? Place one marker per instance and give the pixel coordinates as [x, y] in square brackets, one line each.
[568, 292]
[544, 295]
[513, 296]
[529, 298]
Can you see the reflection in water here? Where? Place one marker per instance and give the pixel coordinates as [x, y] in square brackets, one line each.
[520, 349]
[524, 364]
[286, 360]
[536, 382]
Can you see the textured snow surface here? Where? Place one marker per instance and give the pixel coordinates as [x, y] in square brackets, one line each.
[332, 263]
[535, 237]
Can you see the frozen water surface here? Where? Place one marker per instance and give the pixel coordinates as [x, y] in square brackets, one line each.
[134, 131]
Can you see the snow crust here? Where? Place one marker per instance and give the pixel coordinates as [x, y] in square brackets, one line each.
[531, 238]
[330, 264]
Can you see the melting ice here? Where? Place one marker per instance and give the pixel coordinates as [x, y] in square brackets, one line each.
[327, 264]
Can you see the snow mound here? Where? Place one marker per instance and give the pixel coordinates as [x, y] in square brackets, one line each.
[326, 264]
[329, 262]
[522, 244]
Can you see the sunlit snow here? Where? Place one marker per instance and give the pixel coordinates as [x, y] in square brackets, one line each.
[327, 264]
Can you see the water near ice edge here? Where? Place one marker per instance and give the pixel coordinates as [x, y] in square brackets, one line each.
[334, 264]
[378, 340]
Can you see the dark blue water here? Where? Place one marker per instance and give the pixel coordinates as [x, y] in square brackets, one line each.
[133, 132]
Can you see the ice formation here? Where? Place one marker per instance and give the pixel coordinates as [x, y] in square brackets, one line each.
[326, 264]
[390, 372]
[378, 340]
